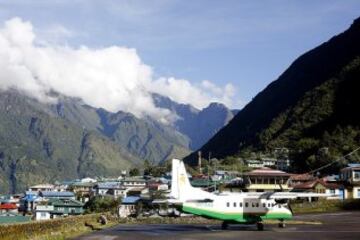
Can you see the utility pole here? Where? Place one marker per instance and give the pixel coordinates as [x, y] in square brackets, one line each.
[199, 162]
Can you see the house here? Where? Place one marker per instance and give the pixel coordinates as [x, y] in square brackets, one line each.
[8, 207]
[351, 178]
[113, 189]
[279, 163]
[58, 207]
[297, 179]
[88, 180]
[321, 186]
[42, 188]
[266, 179]
[82, 190]
[57, 195]
[133, 182]
[43, 212]
[66, 207]
[30, 201]
[128, 206]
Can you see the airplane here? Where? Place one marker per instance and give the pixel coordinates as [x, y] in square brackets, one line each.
[231, 208]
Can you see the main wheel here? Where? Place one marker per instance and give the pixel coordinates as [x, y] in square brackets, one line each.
[282, 224]
[224, 225]
[260, 226]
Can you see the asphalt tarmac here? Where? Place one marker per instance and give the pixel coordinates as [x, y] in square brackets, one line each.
[341, 225]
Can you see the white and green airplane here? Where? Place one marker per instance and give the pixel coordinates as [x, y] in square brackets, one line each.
[231, 208]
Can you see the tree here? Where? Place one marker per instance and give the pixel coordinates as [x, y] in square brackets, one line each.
[134, 172]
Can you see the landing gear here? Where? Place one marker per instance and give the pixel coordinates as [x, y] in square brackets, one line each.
[282, 224]
[260, 226]
[224, 225]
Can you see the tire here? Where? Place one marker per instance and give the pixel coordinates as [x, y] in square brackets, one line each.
[260, 226]
[282, 225]
[224, 225]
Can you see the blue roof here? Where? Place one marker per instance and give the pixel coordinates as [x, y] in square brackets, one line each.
[50, 194]
[354, 164]
[130, 200]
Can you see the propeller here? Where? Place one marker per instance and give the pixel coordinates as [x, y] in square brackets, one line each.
[284, 201]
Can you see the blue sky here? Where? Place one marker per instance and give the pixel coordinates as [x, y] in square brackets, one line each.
[245, 43]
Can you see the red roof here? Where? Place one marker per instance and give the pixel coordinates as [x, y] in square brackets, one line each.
[312, 184]
[8, 206]
[302, 177]
[265, 171]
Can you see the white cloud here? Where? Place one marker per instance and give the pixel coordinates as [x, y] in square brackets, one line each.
[114, 78]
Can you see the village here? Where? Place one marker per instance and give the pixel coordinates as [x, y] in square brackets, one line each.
[145, 195]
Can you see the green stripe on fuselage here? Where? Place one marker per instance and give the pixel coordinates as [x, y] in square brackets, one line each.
[238, 217]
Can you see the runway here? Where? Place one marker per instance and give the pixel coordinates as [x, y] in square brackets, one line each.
[342, 225]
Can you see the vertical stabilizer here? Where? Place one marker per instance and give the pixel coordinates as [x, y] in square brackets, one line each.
[181, 188]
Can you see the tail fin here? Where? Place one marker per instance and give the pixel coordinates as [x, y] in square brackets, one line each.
[181, 188]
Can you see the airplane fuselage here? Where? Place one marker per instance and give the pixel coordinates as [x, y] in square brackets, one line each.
[237, 207]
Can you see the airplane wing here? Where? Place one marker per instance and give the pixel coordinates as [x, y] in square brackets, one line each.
[293, 195]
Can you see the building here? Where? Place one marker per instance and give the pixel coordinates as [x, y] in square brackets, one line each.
[112, 189]
[128, 206]
[66, 207]
[133, 182]
[42, 188]
[351, 178]
[8, 207]
[321, 186]
[82, 190]
[43, 212]
[266, 179]
[297, 179]
[280, 163]
[57, 208]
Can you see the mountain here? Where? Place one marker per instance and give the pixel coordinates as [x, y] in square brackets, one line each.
[310, 109]
[36, 146]
[198, 125]
[144, 138]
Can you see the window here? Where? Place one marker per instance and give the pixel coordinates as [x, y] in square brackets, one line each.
[257, 204]
[273, 204]
[253, 204]
[228, 204]
[264, 204]
[240, 204]
[246, 204]
[234, 204]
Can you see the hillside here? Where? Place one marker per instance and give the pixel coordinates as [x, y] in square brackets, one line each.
[36, 147]
[311, 106]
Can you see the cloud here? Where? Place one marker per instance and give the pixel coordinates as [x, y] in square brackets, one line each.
[113, 78]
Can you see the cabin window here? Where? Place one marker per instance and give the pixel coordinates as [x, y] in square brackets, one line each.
[246, 204]
[253, 204]
[264, 204]
[257, 204]
[228, 204]
[240, 204]
[279, 206]
[234, 204]
[273, 204]
[269, 205]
